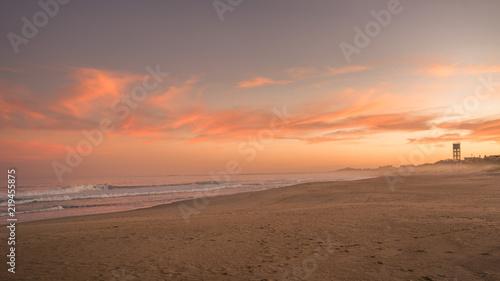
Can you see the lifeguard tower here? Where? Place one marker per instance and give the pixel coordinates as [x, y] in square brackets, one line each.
[457, 155]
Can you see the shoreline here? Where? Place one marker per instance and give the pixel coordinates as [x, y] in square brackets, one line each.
[4, 222]
[179, 202]
[440, 227]
[433, 169]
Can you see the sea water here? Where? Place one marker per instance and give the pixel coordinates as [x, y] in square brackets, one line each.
[38, 199]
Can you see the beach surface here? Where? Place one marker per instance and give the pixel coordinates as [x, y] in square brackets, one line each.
[428, 227]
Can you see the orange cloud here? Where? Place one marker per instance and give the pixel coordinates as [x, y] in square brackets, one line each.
[299, 73]
[442, 70]
[16, 100]
[347, 69]
[13, 150]
[363, 104]
[438, 139]
[482, 129]
[260, 81]
[351, 122]
[185, 92]
[231, 124]
[341, 135]
[356, 127]
[81, 105]
[93, 87]
[479, 129]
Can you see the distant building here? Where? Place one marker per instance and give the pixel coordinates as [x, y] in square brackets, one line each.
[492, 157]
[472, 159]
[457, 154]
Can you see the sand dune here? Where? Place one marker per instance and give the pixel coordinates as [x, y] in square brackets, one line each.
[431, 227]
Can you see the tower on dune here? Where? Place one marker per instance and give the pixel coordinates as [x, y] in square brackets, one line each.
[456, 152]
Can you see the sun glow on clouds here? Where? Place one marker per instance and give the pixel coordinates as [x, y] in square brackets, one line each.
[94, 87]
[177, 115]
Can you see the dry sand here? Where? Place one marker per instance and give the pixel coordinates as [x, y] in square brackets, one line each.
[432, 227]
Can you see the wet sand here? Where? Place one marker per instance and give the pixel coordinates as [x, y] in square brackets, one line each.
[431, 227]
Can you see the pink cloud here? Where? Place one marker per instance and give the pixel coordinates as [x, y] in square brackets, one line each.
[94, 88]
[12, 150]
[446, 70]
[299, 73]
[10, 69]
[347, 69]
[441, 70]
[261, 81]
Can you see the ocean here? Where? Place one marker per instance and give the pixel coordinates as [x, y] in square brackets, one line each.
[39, 199]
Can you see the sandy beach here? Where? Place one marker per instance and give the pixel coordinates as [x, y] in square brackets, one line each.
[432, 227]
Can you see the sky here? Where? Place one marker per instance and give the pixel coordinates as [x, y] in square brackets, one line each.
[115, 88]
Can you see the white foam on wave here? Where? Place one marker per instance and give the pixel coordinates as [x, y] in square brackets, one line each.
[88, 187]
[64, 190]
[56, 208]
[101, 195]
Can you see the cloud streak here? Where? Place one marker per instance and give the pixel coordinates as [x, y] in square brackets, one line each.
[261, 81]
[447, 70]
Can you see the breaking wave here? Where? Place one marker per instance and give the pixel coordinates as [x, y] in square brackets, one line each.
[56, 208]
[88, 187]
[100, 191]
